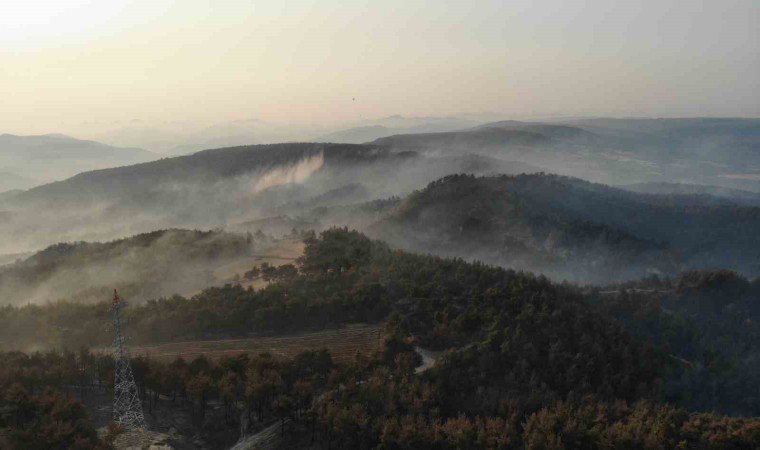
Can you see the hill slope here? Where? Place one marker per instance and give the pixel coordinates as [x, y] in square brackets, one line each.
[144, 266]
[719, 193]
[208, 166]
[478, 139]
[574, 229]
[528, 361]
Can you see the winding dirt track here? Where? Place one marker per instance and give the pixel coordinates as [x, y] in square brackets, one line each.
[266, 439]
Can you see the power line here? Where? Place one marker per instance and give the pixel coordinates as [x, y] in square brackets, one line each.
[127, 407]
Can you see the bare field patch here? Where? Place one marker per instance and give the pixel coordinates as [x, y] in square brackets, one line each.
[343, 344]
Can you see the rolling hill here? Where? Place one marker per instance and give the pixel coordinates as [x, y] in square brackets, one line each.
[206, 167]
[569, 228]
[717, 192]
[721, 152]
[396, 125]
[55, 156]
[478, 139]
[224, 187]
[144, 266]
[541, 361]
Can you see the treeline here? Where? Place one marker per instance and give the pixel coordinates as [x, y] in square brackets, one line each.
[374, 401]
[259, 387]
[516, 344]
[708, 321]
[34, 411]
[496, 219]
[572, 229]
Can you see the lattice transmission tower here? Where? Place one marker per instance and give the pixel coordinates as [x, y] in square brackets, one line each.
[127, 407]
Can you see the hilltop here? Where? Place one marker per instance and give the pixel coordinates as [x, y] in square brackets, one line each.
[571, 228]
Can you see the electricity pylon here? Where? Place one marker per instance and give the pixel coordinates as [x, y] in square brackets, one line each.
[127, 408]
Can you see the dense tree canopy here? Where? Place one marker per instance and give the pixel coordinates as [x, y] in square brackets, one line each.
[527, 363]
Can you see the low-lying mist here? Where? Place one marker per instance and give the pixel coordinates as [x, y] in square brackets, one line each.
[275, 188]
[97, 209]
[142, 267]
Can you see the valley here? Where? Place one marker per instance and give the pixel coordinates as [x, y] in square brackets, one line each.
[379, 225]
[346, 295]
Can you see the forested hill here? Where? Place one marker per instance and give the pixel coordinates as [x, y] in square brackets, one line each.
[709, 321]
[144, 266]
[532, 360]
[499, 136]
[476, 139]
[573, 229]
[716, 193]
[207, 166]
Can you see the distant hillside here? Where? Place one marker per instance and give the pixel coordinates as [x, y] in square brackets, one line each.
[495, 136]
[393, 127]
[356, 135]
[208, 166]
[55, 156]
[720, 193]
[545, 129]
[709, 319]
[570, 228]
[481, 138]
[224, 187]
[487, 219]
[144, 266]
[738, 129]
[720, 152]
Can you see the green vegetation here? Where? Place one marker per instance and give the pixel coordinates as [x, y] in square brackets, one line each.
[709, 323]
[528, 363]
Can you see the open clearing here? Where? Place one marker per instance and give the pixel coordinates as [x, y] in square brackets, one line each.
[285, 251]
[343, 344]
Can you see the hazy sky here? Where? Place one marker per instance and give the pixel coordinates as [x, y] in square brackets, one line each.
[67, 62]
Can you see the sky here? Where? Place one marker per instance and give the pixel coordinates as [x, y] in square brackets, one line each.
[70, 65]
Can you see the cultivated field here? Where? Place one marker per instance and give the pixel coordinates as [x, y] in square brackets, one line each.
[343, 344]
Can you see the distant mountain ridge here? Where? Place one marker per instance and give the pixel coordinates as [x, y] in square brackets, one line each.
[483, 137]
[396, 125]
[721, 193]
[55, 156]
[721, 152]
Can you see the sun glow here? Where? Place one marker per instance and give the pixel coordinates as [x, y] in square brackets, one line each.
[31, 21]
